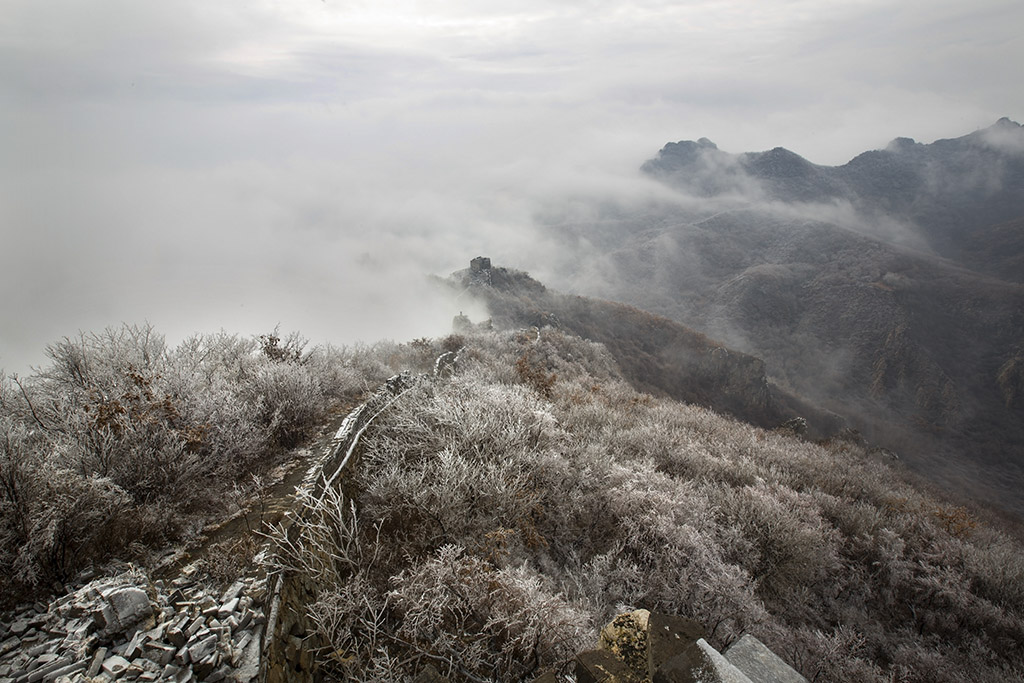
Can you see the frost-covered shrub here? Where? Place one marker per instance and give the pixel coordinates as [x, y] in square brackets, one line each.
[121, 440]
[491, 622]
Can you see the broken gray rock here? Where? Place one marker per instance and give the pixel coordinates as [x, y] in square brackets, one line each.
[97, 662]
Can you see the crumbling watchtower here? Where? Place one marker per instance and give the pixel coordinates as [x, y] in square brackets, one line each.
[480, 270]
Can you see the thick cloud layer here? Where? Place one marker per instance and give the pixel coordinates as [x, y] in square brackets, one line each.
[241, 164]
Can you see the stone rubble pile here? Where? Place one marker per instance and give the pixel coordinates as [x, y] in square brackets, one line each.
[126, 628]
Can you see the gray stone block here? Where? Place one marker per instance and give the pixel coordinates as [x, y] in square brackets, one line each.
[233, 591]
[203, 649]
[68, 670]
[227, 609]
[761, 665]
[160, 653]
[130, 606]
[9, 645]
[45, 670]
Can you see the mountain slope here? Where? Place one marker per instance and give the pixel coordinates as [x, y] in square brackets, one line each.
[656, 354]
[887, 290]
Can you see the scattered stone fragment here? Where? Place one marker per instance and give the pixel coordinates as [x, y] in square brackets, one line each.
[134, 647]
[40, 660]
[203, 649]
[8, 645]
[233, 591]
[115, 665]
[43, 671]
[159, 652]
[130, 606]
[220, 674]
[68, 670]
[182, 657]
[194, 627]
[97, 662]
[227, 608]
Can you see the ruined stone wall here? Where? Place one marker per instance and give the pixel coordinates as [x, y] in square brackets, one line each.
[287, 648]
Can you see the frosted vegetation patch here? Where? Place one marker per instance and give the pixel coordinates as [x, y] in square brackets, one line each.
[122, 444]
[501, 512]
[507, 512]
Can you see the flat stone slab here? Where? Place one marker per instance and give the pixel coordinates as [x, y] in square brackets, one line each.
[752, 657]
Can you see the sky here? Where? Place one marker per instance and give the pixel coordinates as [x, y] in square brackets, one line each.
[243, 164]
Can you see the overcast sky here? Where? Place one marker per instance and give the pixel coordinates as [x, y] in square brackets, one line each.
[242, 163]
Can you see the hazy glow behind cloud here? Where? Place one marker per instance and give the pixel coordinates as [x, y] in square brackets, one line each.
[240, 164]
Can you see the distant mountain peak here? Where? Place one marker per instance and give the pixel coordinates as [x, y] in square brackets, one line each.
[1005, 136]
[778, 162]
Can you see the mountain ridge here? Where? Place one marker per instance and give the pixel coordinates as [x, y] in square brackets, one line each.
[951, 191]
[887, 290]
